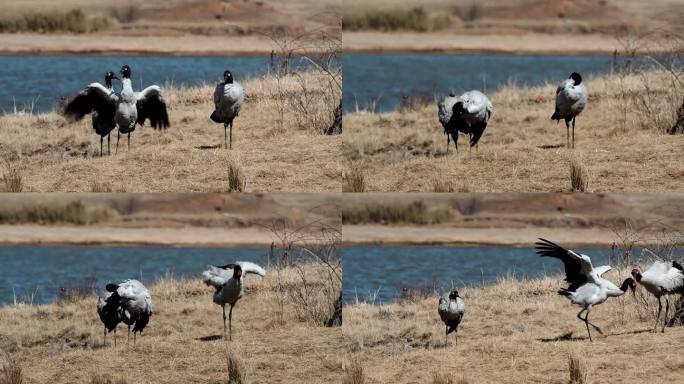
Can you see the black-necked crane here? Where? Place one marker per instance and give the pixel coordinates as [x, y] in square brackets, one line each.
[135, 305]
[228, 100]
[661, 279]
[227, 281]
[571, 98]
[587, 286]
[101, 101]
[451, 310]
[136, 107]
[468, 113]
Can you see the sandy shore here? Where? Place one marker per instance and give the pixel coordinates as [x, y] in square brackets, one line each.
[108, 236]
[448, 43]
[94, 44]
[451, 236]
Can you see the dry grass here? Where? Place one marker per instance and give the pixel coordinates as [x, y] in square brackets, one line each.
[353, 374]
[56, 156]
[11, 181]
[10, 371]
[522, 149]
[181, 344]
[236, 370]
[236, 180]
[515, 332]
[578, 177]
[353, 180]
[579, 373]
[106, 379]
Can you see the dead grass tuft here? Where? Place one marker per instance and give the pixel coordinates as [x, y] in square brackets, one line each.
[237, 182]
[236, 369]
[353, 179]
[353, 374]
[579, 372]
[11, 181]
[10, 371]
[415, 212]
[106, 379]
[579, 180]
[440, 185]
[442, 378]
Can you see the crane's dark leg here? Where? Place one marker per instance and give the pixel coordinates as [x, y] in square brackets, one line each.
[101, 139]
[118, 137]
[225, 135]
[105, 336]
[134, 338]
[586, 322]
[230, 324]
[115, 337]
[446, 336]
[454, 136]
[448, 141]
[573, 132]
[660, 307]
[231, 135]
[667, 308]
[128, 341]
[224, 321]
[109, 144]
[129, 141]
[567, 127]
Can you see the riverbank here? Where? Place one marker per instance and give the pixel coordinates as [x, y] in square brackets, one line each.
[524, 327]
[274, 337]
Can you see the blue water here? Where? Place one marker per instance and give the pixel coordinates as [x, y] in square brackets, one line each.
[38, 273]
[381, 272]
[43, 79]
[383, 79]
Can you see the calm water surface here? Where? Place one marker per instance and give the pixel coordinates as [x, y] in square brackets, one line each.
[381, 272]
[379, 81]
[40, 272]
[41, 80]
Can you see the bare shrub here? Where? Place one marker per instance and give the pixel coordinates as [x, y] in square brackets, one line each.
[579, 180]
[236, 369]
[127, 14]
[470, 12]
[353, 374]
[442, 378]
[353, 179]
[77, 291]
[579, 372]
[11, 181]
[10, 371]
[439, 185]
[237, 182]
[99, 187]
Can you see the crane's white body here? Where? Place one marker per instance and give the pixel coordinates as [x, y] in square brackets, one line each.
[570, 99]
[127, 111]
[451, 309]
[662, 279]
[228, 100]
[477, 110]
[228, 288]
[135, 299]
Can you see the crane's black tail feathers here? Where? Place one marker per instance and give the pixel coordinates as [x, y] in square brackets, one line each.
[111, 287]
[677, 265]
[555, 116]
[478, 130]
[214, 117]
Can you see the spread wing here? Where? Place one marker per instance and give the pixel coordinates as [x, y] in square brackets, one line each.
[151, 105]
[602, 269]
[216, 277]
[247, 267]
[577, 268]
[96, 97]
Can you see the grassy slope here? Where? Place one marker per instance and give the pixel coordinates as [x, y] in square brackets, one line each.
[405, 151]
[55, 156]
[502, 338]
[62, 343]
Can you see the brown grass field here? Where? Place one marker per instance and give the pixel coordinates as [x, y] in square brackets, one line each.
[621, 142]
[276, 339]
[273, 151]
[513, 332]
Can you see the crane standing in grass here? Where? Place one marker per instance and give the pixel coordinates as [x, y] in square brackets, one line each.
[587, 287]
[228, 99]
[227, 281]
[111, 313]
[101, 101]
[451, 311]
[468, 113]
[136, 107]
[136, 304]
[571, 98]
[661, 279]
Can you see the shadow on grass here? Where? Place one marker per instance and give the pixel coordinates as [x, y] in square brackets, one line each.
[209, 146]
[209, 338]
[551, 146]
[568, 336]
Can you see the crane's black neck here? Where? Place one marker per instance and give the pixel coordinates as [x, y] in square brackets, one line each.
[629, 282]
